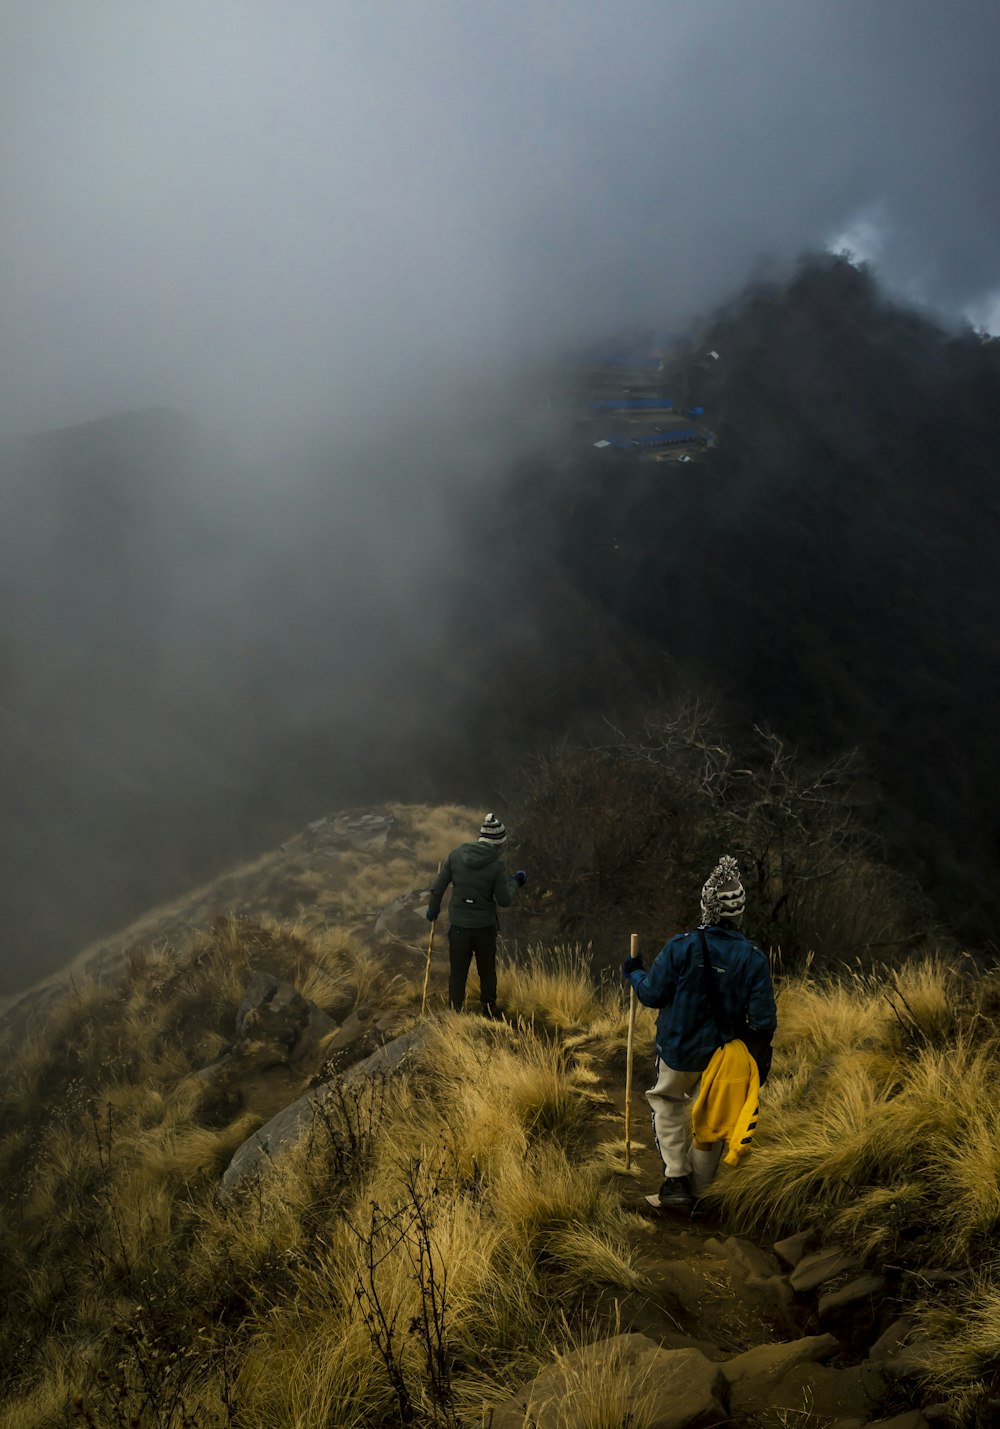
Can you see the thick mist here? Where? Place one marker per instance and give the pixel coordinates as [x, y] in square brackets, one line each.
[283, 296]
[273, 216]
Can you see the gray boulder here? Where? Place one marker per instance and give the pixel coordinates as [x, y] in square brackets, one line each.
[851, 1300]
[815, 1270]
[786, 1379]
[765, 1365]
[294, 1122]
[404, 920]
[791, 1250]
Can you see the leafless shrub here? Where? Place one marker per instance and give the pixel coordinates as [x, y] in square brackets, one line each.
[622, 832]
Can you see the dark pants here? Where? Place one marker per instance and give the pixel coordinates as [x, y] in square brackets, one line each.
[462, 943]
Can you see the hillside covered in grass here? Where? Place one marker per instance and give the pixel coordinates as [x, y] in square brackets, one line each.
[445, 1231]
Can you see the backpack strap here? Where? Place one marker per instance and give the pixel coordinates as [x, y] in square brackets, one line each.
[712, 988]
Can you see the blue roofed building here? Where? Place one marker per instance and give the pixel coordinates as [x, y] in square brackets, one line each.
[651, 441]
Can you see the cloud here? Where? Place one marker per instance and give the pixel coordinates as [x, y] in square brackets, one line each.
[276, 214]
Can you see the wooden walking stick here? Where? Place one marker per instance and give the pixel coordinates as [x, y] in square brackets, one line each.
[632, 952]
[427, 967]
[427, 970]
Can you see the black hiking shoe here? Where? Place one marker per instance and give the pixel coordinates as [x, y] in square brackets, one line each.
[675, 1194]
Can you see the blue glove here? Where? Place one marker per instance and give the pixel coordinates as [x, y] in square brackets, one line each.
[520, 878]
[632, 965]
[431, 917]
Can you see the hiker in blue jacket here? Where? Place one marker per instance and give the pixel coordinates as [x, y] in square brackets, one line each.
[480, 886]
[688, 1028]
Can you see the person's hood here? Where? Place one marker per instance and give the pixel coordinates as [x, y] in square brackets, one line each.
[478, 855]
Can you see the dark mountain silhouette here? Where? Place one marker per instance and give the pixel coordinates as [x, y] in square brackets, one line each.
[829, 565]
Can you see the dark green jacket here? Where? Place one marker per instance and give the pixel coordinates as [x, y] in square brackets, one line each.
[481, 886]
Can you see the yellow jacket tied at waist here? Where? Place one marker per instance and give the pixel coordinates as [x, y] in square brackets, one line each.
[726, 1107]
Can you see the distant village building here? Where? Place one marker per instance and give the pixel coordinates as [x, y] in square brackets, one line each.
[628, 382]
[649, 441]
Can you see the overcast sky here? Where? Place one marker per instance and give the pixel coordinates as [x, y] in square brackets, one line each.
[264, 211]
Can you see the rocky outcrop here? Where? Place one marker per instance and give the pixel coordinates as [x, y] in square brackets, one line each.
[826, 1265]
[365, 832]
[782, 1379]
[274, 1014]
[275, 1027]
[291, 1124]
[404, 920]
[844, 1372]
[637, 1379]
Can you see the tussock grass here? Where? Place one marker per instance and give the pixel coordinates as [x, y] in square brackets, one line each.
[458, 1198]
[369, 886]
[432, 830]
[517, 1226]
[553, 985]
[458, 1186]
[556, 988]
[600, 1391]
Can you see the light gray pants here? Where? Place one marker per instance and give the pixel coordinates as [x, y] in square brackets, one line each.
[670, 1100]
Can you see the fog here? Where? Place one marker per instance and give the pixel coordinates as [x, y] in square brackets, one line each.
[338, 240]
[266, 214]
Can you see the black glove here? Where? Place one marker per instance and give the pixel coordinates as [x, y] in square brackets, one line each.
[431, 917]
[520, 878]
[632, 965]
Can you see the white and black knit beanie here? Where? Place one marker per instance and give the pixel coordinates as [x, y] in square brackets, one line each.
[493, 831]
[723, 895]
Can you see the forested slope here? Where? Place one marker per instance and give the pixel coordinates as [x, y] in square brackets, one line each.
[829, 565]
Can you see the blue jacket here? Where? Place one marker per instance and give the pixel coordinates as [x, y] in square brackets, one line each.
[686, 1034]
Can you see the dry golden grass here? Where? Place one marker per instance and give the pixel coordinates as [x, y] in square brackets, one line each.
[599, 1391]
[45, 1403]
[119, 1231]
[554, 985]
[300, 877]
[508, 1213]
[964, 1347]
[368, 886]
[432, 831]
[880, 1122]
[308, 1372]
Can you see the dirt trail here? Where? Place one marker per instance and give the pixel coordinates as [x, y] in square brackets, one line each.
[695, 1279]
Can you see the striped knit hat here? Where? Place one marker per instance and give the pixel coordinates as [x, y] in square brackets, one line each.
[493, 831]
[722, 895]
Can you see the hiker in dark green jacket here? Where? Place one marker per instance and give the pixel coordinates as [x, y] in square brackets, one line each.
[479, 887]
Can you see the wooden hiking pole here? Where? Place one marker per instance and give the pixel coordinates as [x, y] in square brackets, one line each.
[427, 967]
[632, 952]
[427, 970]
